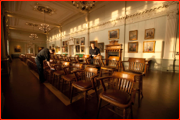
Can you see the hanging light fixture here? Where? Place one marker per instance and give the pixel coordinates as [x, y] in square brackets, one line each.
[33, 35]
[84, 5]
[44, 27]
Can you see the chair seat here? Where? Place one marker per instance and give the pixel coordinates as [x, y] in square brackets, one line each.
[94, 66]
[109, 67]
[140, 73]
[116, 97]
[82, 84]
[60, 72]
[69, 77]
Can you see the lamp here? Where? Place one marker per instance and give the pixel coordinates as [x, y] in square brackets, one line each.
[33, 35]
[84, 5]
[43, 26]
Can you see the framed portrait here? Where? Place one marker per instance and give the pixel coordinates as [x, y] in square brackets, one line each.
[53, 45]
[149, 33]
[113, 34]
[149, 46]
[77, 48]
[133, 35]
[63, 49]
[66, 49]
[49, 47]
[57, 49]
[101, 47]
[77, 41]
[132, 47]
[17, 48]
[83, 41]
[82, 49]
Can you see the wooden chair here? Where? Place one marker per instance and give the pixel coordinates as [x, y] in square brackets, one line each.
[120, 91]
[75, 59]
[70, 77]
[137, 66]
[86, 59]
[85, 82]
[96, 62]
[109, 65]
[58, 72]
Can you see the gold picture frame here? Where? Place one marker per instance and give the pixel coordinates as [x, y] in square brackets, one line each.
[149, 33]
[132, 47]
[113, 34]
[133, 35]
[149, 46]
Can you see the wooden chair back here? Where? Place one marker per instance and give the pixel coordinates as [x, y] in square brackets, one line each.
[137, 65]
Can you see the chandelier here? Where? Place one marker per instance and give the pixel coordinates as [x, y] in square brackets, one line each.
[84, 5]
[44, 27]
[33, 35]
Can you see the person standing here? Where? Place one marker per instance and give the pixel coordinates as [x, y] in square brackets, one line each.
[94, 51]
[44, 54]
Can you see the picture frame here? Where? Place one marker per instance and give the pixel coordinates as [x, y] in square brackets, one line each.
[113, 34]
[66, 49]
[82, 41]
[63, 49]
[57, 49]
[49, 47]
[132, 47]
[82, 49]
[77, 48]
[149, 33]
[133, 35]
[77, 41]
[149, 46]
[17, 48]
[101, 47]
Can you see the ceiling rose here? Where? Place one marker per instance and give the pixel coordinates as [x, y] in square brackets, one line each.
[44, 9]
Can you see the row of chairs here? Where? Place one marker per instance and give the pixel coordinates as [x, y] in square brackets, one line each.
[121, 84]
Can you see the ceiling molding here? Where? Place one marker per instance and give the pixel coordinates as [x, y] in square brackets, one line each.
[33, 41]
[26, 30]
[15, 15]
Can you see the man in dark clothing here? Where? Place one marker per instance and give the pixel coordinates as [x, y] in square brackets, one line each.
[94, 51]
[44, 54]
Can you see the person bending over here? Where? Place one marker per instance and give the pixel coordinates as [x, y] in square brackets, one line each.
[44, 54]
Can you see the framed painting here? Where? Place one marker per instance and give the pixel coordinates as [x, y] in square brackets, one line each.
[17, 48]
[149, 46]
[77, 41]
[101, 47]
[82, 49]
[133, 35]
[66, 49]
[49, 47]
[63, 49]
[57, 49]
[132, 47]
[113, 34]
[77, 48]
[149, 33]
[82, 41]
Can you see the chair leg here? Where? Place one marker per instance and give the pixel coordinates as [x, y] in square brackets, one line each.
[131, 112]
[85, 101]
[101, 73]
[96, 93]
[69, 89]
[124, 113]
[139, 97]
[71, 94]
[99, 106]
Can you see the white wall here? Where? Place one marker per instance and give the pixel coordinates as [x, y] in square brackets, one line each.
[115, 9]
[22, 38]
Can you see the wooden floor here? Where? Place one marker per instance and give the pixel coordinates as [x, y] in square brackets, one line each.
[26, 98]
